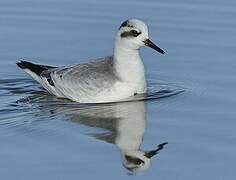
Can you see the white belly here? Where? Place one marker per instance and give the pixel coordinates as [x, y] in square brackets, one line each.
[118, 92]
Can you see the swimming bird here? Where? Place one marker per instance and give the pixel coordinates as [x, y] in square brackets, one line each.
[109, 79]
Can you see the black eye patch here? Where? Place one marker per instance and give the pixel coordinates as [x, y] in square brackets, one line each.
[132, 33]
[134, 160]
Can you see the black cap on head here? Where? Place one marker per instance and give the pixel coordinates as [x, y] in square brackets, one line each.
[125, 23]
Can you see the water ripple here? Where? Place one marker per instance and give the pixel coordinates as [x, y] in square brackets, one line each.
[26, 99]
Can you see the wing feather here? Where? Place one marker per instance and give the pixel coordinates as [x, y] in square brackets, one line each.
[85, 80]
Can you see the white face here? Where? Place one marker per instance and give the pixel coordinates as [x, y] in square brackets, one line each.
[136, 161]
[133, 34]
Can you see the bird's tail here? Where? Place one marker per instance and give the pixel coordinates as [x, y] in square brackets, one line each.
[34, 70]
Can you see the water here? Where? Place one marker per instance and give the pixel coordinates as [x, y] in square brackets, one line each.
[43, 137]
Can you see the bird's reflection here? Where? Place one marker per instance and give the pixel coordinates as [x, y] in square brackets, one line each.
[125, 124]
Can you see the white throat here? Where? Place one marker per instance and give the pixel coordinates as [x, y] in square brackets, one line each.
[129, 66]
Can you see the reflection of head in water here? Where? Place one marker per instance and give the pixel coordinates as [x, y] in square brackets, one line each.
[125, 123]
[137, 161]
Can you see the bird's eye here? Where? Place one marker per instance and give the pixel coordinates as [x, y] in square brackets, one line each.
[138, 162]
[135, 33]
[134, 160]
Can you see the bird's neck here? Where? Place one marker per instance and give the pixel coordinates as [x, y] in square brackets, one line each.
[128, 64]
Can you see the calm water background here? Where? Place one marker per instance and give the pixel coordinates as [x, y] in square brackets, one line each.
[42, 140]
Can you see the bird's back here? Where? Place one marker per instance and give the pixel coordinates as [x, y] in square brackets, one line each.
[85, 81]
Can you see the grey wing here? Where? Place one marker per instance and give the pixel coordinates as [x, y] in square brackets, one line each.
[87, 79]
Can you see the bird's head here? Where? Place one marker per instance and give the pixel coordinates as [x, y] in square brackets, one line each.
[133, 34]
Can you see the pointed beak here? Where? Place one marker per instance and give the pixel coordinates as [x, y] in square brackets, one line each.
[150, 44]
[152, 153]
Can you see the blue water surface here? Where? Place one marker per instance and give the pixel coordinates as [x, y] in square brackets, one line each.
[43, 137]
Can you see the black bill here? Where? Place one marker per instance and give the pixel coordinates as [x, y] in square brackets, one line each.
[152, 153]
[150, 44]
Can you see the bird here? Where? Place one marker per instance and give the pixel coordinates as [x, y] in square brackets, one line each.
[109, 79]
